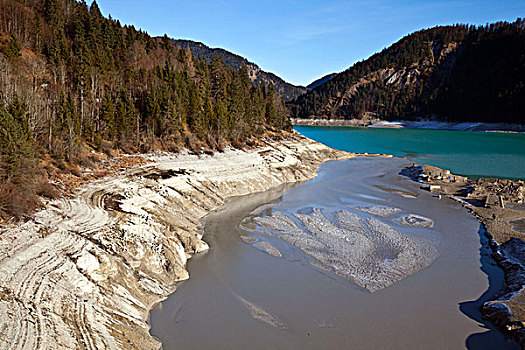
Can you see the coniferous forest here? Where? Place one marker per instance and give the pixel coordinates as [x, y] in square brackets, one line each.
[455, 73]
[72, 80]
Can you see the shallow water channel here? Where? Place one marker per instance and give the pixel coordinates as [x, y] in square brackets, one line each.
[240, 297]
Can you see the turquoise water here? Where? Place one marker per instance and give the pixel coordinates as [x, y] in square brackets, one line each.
[469, 153]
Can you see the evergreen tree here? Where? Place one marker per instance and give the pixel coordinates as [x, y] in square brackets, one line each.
[16, 143]
[89, 80]
[126, 121]
[12, 48]
[108, 117]
[269, 113]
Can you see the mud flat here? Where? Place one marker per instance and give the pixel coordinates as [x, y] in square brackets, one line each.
[85, 272]
[345, 276]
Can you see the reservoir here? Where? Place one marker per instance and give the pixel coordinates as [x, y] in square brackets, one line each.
[487, 154]
[276, 277]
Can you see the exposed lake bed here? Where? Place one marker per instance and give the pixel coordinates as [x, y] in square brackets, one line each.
[88, 269]
[304, 301]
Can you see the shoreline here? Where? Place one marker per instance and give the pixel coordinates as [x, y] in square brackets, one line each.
[410, 124]
[236, 267]
[495, 212]
[114, 251]
[86, 271]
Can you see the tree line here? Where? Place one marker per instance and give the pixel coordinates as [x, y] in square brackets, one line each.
[71, 78]
[464, 73]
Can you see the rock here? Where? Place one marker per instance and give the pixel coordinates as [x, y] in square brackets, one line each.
[434, 188]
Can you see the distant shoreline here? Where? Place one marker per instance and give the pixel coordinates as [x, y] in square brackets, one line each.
[409, 124]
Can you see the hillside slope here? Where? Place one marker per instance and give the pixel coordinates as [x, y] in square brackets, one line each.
[74, 82]
[85, 272]
[455, 73]
[321, 81]
[286, 90]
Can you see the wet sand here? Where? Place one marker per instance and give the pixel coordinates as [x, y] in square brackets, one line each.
[239, 296]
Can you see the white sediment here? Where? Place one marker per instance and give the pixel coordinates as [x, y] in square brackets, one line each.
[378, 210]
[415, 220]
[268, 248]
[364, 250]
[84, 273]
[262, 315]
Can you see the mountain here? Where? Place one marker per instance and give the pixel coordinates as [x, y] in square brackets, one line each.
[455, 73]
[287, 91]
[320, 81]
[76, 85]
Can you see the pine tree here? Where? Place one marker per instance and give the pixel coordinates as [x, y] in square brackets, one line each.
[108, 117]
[126, 121]
[12, 49]
[52, 11]
[269, 113]
[16, 143]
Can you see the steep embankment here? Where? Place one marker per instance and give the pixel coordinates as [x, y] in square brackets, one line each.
[455, 73]
[85, 271]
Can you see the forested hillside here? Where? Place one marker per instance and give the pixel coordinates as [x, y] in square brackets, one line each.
[321, 81]
[287, 91]
[457, 73]
[72, 81]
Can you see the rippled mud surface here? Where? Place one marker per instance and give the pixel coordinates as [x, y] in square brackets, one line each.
[366, 251]
[342, 261]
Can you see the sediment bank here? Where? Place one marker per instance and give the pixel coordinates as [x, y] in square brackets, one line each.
[411, 124]
[334, 122]
[85, 271]
[499, 205]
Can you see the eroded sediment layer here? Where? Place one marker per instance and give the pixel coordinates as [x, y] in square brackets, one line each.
[84, 272]
[366, 251]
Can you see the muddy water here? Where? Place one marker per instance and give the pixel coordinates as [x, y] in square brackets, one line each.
[241, 297]
[518, 225]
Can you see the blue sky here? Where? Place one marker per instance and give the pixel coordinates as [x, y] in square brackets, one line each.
[302, 40]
